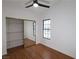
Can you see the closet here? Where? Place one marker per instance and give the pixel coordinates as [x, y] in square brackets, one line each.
[14, 32]
[20, 32]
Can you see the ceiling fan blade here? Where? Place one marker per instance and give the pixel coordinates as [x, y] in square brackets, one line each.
[29, 6]
[43, 5]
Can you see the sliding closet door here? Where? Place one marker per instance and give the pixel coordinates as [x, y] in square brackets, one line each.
[29, 37]
[14, 32]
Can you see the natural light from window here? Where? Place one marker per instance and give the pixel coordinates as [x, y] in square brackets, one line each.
[46, 28]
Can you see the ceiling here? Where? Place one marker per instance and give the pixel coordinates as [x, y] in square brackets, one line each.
[27, 0]
[20, 5]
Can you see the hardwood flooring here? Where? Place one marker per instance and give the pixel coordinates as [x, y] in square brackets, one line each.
[28, 42]
[38, 51]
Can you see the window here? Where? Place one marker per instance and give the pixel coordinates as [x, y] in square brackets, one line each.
[46, 28]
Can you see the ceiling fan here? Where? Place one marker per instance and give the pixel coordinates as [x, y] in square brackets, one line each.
[36, 4]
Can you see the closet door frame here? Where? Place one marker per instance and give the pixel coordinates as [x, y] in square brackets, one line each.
[23, 25]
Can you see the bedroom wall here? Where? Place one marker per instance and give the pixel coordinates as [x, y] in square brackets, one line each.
[63, 27]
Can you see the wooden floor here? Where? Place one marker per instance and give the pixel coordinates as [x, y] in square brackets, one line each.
[28, 42]
[38, 51]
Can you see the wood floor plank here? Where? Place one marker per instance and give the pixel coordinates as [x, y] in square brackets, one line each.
[44, 53]
[38, 51]
[33, 53]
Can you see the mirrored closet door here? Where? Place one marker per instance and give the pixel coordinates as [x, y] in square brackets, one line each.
[29, 33]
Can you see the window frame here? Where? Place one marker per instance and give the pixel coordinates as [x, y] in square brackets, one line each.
[46, 29]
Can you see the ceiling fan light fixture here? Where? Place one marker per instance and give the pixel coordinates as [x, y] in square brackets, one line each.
[35, 5]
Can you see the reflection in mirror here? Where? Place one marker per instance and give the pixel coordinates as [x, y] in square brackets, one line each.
[29, 33]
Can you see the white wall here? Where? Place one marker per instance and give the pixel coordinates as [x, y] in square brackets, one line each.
[63, 33]
[4, 36]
